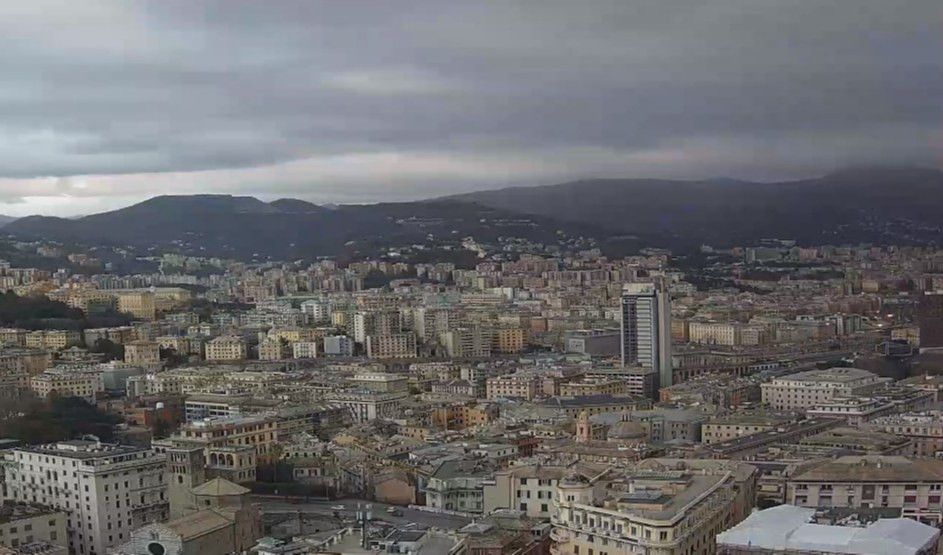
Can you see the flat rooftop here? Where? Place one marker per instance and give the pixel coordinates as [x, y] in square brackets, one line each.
[83, 449]
[18, 511]
[837, 375]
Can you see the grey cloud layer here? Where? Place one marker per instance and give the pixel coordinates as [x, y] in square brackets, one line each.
[406, 99]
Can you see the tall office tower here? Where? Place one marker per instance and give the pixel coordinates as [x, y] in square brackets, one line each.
[646, 329]
[930, 319]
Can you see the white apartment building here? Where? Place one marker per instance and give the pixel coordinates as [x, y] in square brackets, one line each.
[804, 390]
[304, 349]
[106, 490]
[366, 406]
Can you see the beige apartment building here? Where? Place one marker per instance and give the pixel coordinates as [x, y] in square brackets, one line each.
[593, 386]
[804, 390]
[924, 429]
[656, 506]
[67, 384]
[529, 489]
[23, 524]
[178, 343]
[232, 446]
[714, 333]
[227, 347]
[726, 428]
[393, 345]
[144, 353]
[518, 386]
[141, 305]
[13, 337]
[53, 339]
[914, 486]
[273, 348]
[510, 340]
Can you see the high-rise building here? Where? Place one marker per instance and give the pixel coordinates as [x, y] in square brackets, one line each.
[107, 490]
[930, 319]
[646, 329]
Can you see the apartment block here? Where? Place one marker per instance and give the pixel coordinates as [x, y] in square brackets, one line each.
[663, 506]
[807, 389]
[226, 347]
[106, 490]
[912, 486]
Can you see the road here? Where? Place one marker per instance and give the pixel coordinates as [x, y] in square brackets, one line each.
[378, 512]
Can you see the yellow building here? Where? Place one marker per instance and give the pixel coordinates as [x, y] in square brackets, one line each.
[141, 305]
[227, 347]
[53, 339]
[67, 384]
[510, 340]
[13, 337]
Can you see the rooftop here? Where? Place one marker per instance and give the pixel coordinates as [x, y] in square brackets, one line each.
[789, 528]
[829, 375]
[17, 511]
[877, 468]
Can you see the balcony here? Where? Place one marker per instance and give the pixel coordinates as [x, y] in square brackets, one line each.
[559, 535]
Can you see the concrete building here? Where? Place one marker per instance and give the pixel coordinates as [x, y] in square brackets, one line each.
[365, 406]
[381, 382]
[398, 345]
[55, 340]
[526, 488]
[788, 530]
[646, 329]
[304, 349]
[86, 385]
[594, 386]
[714, 333]
[805, 390]
[725, 428]
[222, 521]
[466, 342]
[912, 486]
[226, 347]
[28, 525]
[273, 348]
[513, 386]
[596, 342]
[458, 485]
[338, 345]
[141, 305]
[930, 319]
[107, 490]
[657, 506]
[924, 429]
[142, 353]
[510, 340]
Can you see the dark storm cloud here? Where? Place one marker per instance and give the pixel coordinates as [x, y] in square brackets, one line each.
[396, 100]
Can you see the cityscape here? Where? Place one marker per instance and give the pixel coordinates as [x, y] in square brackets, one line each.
[490, 278]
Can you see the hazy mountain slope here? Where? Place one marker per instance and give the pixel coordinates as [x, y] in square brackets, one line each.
[879, 205]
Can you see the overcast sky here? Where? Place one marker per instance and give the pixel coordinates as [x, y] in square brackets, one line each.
[104, 103]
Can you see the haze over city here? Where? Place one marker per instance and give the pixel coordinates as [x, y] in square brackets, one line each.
[107, 103]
